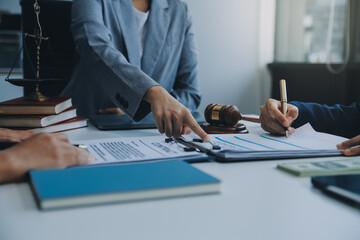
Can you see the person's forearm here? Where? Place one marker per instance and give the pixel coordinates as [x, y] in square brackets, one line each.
[339, 119]
[153, 93]
[9, 171]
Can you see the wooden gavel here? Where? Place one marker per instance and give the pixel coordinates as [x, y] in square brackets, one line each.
[225, 115]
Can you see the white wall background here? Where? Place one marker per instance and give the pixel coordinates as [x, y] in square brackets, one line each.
[231, 67]
[235, 41]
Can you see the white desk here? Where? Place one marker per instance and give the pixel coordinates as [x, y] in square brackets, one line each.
[257, 201]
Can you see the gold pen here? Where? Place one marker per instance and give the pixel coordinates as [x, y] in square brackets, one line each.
[283, 101]
[81, 146]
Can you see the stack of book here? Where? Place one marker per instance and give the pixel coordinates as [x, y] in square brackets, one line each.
[55, 114]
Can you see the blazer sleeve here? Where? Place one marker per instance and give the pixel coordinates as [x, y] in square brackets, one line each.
[338, 119]
[186, 86]
[123, 82]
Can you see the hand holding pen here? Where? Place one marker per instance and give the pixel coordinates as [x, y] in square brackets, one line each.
[276, 116]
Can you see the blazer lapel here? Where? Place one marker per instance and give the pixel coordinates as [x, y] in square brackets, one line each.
[155, 35]
[128, 25]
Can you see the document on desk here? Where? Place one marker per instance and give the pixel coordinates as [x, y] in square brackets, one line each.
[129, 149]
[304, 138]
[305, 142]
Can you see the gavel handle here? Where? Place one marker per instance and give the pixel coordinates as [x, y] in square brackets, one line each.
[251, 119]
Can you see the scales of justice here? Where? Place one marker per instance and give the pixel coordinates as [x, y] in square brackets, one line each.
[38, 38]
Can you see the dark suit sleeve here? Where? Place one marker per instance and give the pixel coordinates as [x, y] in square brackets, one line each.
[338, 119]
[123, 82]
[186, 87]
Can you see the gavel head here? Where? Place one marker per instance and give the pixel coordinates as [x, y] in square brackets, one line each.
[224, 115]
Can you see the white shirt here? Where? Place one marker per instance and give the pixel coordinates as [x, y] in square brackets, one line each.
[141, 18]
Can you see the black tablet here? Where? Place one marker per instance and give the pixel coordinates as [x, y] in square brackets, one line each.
[343, 187]
[123, 122]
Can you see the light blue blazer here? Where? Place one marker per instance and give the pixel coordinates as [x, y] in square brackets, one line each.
[111, 73]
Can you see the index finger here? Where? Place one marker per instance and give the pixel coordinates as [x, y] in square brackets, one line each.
[195, 127]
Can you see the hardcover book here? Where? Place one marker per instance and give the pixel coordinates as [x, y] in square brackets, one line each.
[54, 105]
[78, 186]
[63, 126]
[36, 120]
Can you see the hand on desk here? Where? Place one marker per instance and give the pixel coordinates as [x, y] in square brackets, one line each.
[272, 119]
[41, 151]
[170, 115]
[8, 135]
[351, 147]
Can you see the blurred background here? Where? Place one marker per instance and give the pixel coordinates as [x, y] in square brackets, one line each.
[245, 48]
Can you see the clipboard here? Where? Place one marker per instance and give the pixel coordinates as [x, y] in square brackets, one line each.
[228, 156]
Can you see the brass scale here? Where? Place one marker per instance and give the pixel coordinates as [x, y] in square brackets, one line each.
[38, 37]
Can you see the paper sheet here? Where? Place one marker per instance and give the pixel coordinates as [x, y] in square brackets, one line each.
[129, 149]
[304, 138]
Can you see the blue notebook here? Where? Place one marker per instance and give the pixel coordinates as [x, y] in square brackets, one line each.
[79, 186]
